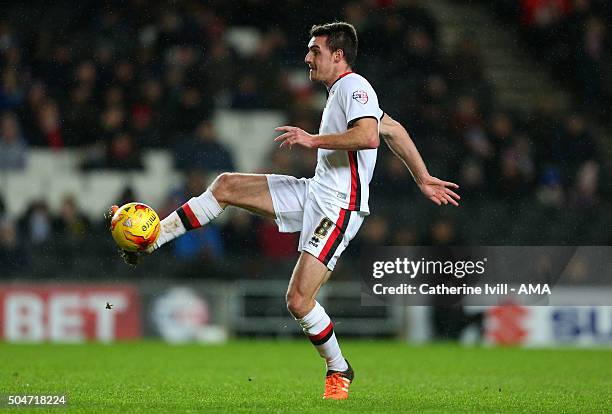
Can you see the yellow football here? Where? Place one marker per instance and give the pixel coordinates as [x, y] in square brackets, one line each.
[135, 227]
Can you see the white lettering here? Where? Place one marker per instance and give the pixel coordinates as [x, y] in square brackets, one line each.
[105, 320]
[65, 318]
[23, 313]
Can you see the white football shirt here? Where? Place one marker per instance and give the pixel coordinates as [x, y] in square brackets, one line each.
[343, 177]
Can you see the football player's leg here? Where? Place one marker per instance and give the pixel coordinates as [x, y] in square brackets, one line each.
[248, 191]
[308, 277]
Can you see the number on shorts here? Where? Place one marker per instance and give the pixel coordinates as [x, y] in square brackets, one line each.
[323, 228]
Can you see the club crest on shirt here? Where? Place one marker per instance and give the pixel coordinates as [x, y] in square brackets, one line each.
[361, 97]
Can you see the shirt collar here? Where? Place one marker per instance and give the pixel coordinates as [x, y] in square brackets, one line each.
[339, 77]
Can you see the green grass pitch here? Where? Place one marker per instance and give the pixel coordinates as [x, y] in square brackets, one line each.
[279, 377]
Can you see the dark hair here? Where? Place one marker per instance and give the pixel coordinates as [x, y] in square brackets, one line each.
[340, 35]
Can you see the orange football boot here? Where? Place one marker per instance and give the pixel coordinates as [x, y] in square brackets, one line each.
[337, 383]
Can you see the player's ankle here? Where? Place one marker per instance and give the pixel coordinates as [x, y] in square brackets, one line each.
[337, 364]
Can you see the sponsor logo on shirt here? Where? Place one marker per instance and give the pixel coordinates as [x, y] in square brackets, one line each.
[361, 97]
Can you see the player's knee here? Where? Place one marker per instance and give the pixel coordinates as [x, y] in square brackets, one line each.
[297, 304]
[223, 187]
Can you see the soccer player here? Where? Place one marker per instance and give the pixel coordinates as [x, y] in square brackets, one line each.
[329, 208]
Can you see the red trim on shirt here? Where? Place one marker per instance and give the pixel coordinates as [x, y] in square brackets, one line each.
[354, 183]
[340, 77]
[355, 198]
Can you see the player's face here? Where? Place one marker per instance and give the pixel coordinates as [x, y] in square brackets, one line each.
[319, 59]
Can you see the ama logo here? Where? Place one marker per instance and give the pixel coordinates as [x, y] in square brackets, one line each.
[361, 97]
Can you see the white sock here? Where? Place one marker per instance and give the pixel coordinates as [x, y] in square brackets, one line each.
[195, 213]
[320, 330]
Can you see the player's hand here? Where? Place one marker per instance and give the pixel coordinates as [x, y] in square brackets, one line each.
[130, 258]
[295, 136]
[439, 191]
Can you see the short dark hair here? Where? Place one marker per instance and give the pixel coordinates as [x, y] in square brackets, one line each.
[340, 35]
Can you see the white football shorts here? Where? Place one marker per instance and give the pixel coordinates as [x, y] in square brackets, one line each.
[325, 229]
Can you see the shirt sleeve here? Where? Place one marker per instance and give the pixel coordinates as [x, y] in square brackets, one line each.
[360, 101]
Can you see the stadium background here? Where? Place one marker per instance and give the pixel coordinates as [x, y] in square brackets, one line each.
[109, 102]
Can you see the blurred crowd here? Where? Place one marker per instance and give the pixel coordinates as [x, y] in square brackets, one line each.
[114, 78]
[573, 37]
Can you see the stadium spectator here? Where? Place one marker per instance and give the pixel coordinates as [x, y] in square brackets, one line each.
[13, 150]
[123, 153]
[584, 193]
[203, 151]
[501, 130]
[28, 112]
[573, 37]
[592, 58]
[415, 16]
[80, 116]
[112, 122]
[56, 68]
[544, 14]
[248, 96]
[11, 91]
[281, 162]
[418, 55]
[404, 236]
[550, 192]
[146, 115]
[201, 246]
[575, 145]
[36, 224]
[71, 224]
[221, 66]
[443, 233]
[50, 132]
[542, 125]
[238, 235]
[473, 180]
[188, 110]
[391, 181]
[71, 230]
[543, 19]
[13, 258]
[517, 170]
[276, 246]
[375, 232]
[470, 80]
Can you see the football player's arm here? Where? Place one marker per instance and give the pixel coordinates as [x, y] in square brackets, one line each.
[400, 143]
[361, 134]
